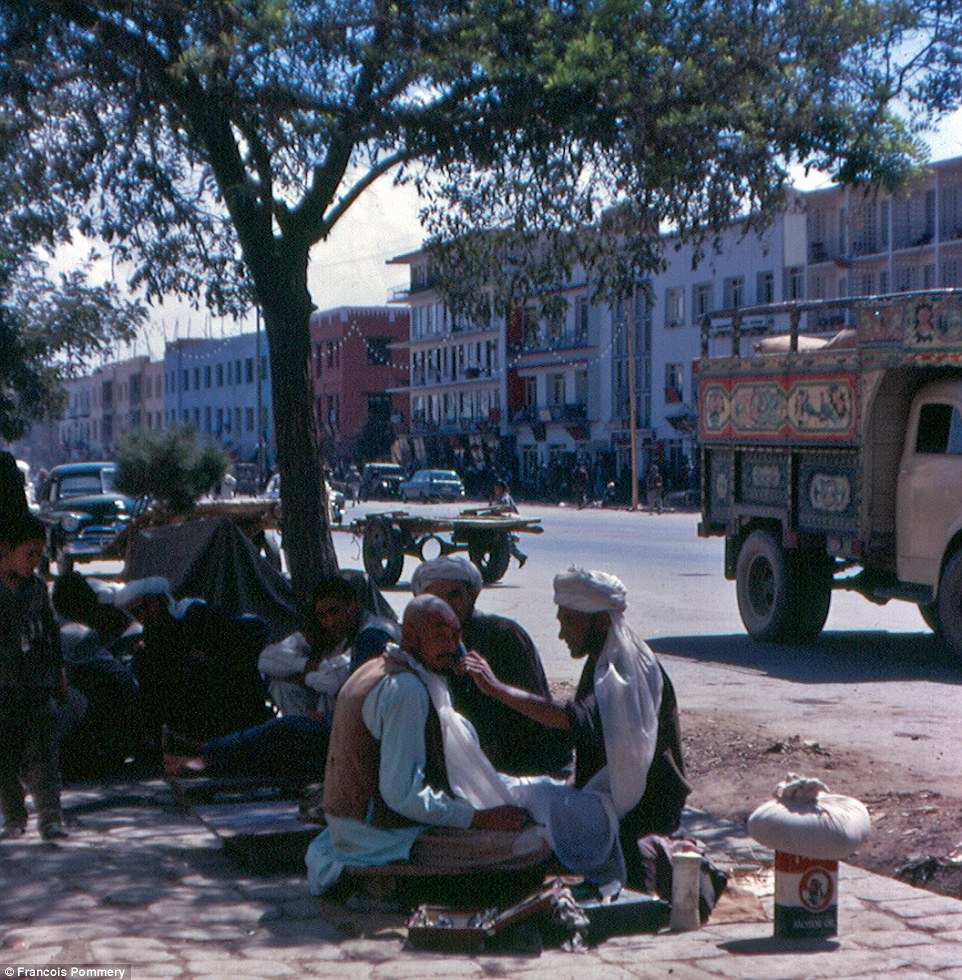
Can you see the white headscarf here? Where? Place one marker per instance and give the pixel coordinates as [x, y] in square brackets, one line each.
[628, 686]
[143, 588]
[445, 569]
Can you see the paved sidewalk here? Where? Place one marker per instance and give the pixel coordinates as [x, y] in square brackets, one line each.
[143, 883]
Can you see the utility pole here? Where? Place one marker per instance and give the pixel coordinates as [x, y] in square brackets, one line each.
[632, 408]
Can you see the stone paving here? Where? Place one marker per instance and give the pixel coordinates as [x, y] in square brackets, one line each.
[141, 883]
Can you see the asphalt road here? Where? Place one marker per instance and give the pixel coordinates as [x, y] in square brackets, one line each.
[876, 681]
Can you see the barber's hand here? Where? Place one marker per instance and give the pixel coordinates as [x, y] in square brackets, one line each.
[501, 818]
[479, 670]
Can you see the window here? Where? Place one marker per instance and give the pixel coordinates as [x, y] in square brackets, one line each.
[940, 430]
[220, 375]
[674, 307]
[207, 418]
[207, 376]
[377, 350]
[701, 301]
[530, 392]
[249, 371]
[220, 418]
[249, 412]
[185, 381]
[556, 389]
[765, 287]
[794, 282]
[674, 383]
[734, 289]
[581, 319]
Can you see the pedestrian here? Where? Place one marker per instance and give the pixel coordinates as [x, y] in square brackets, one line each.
[32, 683]
[654, 486]
[503, 503]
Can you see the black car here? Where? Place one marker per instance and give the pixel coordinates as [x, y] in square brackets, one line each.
[82, 511]
[381, 481]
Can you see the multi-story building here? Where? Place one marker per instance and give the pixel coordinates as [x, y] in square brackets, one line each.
[458, 386]
[866, 242]
[222, 388]
[554, 386]
[359, 361]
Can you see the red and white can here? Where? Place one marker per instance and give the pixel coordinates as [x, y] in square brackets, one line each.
[806, 896]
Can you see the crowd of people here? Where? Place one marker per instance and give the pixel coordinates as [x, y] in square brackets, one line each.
[440, 724]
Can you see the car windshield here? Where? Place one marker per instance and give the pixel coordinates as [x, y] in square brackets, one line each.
[84, 484]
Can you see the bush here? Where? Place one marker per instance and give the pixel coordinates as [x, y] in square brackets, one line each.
[169, 465]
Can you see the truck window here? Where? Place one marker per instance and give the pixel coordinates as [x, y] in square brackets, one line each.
[940, 430]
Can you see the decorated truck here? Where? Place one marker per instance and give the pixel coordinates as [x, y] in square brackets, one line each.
[839, 464]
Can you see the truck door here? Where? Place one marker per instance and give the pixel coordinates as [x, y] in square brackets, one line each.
[929, 494]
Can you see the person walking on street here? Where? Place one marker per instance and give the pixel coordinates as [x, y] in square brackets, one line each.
[655, 486]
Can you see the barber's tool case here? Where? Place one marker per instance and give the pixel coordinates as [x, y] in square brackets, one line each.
[440, 928]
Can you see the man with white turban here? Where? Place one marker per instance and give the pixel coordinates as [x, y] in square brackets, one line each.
[197, 666]
[623, 725]
[514, 744]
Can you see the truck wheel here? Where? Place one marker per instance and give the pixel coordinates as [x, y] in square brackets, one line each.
[950, 604]
[764, 585]
[491, 553]
[383, 552]
[811, 597]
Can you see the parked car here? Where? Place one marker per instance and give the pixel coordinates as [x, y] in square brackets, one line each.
[83, 512]
[380, 481]
[335, 499]
[432, 485]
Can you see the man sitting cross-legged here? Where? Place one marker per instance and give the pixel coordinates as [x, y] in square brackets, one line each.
[308, 669]
[400, 761]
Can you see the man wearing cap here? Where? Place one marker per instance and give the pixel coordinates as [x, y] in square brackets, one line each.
[622, 723]
[401, 761]
[197, 666]
[515, 744]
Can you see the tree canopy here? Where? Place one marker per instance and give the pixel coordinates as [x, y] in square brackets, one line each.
[212, 144]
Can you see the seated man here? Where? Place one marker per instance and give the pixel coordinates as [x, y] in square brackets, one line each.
[197, 664]
[335, 623]
[393, 766]
[294, 746]
[623, 725]
[97, 639]
[513, 743]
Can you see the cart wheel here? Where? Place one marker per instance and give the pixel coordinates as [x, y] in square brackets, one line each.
[491, 553]
[383, 551]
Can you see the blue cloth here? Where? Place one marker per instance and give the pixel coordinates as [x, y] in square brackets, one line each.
[395, 713]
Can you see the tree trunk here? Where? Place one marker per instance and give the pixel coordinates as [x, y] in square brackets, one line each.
[287, 308]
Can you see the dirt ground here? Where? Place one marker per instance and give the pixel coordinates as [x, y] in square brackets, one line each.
[916, 831]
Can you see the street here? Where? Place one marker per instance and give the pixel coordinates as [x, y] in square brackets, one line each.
[876, 682]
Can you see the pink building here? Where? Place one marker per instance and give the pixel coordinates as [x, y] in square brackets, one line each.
[357, 358]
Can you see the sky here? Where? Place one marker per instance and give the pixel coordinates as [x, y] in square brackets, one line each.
[350, 268]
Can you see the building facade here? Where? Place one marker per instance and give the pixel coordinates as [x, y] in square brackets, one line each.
[359, 361]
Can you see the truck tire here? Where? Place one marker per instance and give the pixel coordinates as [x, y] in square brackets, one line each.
[763, 584]
[929, 611]
[383, 551]
[783, 596]
[811, 596]
[950, 605]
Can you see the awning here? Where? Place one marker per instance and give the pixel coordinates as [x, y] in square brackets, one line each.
[578, 432]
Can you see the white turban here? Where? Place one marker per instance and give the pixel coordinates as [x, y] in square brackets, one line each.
[590, 592]
[143, 588]
[445, 569]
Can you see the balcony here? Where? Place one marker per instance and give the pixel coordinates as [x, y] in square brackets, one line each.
[572, 412]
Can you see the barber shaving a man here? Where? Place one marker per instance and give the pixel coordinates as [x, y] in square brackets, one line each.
[400, 759]
[623, 724]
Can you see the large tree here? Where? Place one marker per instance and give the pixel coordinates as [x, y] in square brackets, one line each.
[50, 330]
[214, 142]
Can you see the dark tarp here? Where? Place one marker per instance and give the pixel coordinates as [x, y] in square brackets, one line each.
[211, 559]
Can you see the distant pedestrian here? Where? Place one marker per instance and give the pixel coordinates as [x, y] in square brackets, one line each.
[580, 481]
[503, 502]
[654, 485]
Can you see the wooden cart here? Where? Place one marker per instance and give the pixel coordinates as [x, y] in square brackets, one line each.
[484, 534]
